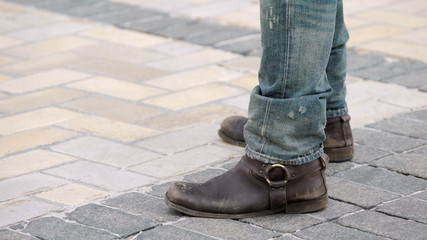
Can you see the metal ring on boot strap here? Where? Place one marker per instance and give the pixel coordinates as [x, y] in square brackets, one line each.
[276, 184]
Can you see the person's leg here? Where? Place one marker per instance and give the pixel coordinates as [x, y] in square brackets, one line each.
[284, 166]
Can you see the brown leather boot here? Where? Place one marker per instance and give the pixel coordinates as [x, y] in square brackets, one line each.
[338, 144]
[253, 188]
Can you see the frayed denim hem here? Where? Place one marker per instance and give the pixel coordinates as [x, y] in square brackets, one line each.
[271, 160]
[336, 112]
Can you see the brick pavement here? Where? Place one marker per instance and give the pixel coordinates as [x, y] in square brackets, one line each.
[104, 103]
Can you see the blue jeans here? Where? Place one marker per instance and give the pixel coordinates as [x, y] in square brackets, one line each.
[301, 80]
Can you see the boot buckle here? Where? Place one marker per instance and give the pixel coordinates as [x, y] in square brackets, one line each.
[276, 184]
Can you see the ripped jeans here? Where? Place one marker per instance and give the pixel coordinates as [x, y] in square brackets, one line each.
[301, 80]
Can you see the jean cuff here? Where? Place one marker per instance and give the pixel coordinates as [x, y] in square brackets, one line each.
[331, 113]
[296, 161]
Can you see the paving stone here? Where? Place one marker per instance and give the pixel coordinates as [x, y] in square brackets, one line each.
[334, 168]
[159, 190]
[216, 35]
[7, 42]
[116, 88]
[407, 127]
[394, 18]
[184, 162]
[371, 110]
[6, 60]
[407, 163]
[156, 22]
[62, 4]
[372, 32]
[423, 88]
[356, 61]
[247, 64]
[246, 81]
[191, 117]
[225, 229]
[213, 8]
[192, 60]
[181, 29]
[244, 45]
[147, 206]
[411, 79]
[335, 209]
[385, 141]
[112, 220]
[120, 53]
[23, 208]
[420, 115]
[193, 97]
[124, 132]
[104, 151]
[389, 70]
[125, 37]
[38, 99]
[407, 208]
[35, 119]
[55, 228]
[407, 98]
[282, 222]
[41, 80]
[30, 161]
[28, 184]
[366, 154]
[176, 48]
[204, 175]
[334, 231]
[100, 175]
[118, 70]
[33, 138]
[41, 64]
[52, 30]
[124, 15]
[421, 195]
[195, 77]
[360, 195]
[95, 8]
[48, 47]
[241, 102]
[384, 225]
[172, 142]
[10, 235]
[72, 194]
[288, 236]
[384, 179]
[168, 232]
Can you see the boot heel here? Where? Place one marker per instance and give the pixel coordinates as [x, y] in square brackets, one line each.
[340, 154]
[308, 206]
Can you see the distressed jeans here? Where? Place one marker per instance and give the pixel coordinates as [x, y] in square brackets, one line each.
[301, 80]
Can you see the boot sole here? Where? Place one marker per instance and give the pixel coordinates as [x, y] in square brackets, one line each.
[340, 154]
[229, 140]
[291, 208]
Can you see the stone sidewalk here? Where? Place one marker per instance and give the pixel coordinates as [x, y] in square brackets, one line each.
[104, 103]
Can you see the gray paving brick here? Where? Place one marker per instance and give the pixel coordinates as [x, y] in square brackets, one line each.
[402, 126]
[159, 190]
[385, 141]
[242, 46]
[334, 168]
[384, 225]
[421, 150]
[225, 229]
[101, 175]
[357, 61]
[406, 163]
[287, 236]
[183, 29]
[113, 220]
[384, 179]
[27, 2]
[124, 15]
[95, 8]
[156, 22]
[366, 154]
[389, 70]
[421, 195]
[147, 206]
[357, 194]
[52, 228]
[203, 176]
[218, 35]
[408, 208]
[423, 88]
[329, 231]
[282, 222]
[10, 235]
[103, 151]
[58, 5]
[169, 233]
[335, 209]
[420, 115]
[414, 79]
